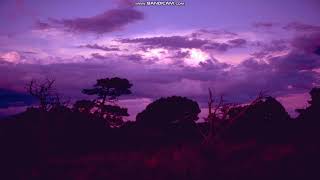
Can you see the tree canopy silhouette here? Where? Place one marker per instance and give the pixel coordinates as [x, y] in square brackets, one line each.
[165, 111]
[107, 91]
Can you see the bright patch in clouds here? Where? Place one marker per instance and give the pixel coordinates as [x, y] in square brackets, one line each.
[11, 57]
[196, 56]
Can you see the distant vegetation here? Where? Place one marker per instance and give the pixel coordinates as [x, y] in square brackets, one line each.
[254, 141]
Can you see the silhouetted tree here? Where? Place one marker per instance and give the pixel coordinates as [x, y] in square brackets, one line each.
[44, 92]
[108, 90]
[170, 110]
[312, 112]
[266, 118]
[222, 115]
[217, 117]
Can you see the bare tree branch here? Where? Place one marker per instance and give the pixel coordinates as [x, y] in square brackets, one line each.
[43, 91]
[218, 116]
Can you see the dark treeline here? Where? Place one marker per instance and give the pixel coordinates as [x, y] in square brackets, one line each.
[254, 141]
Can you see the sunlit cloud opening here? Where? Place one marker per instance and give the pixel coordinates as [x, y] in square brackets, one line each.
[196, 56]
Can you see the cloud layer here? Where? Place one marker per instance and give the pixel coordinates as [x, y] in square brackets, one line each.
[176, 42]
[109, 21]
[185, 64]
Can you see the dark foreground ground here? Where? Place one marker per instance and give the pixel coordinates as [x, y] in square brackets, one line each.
[71, 146]
[236, 161]
[249, 159]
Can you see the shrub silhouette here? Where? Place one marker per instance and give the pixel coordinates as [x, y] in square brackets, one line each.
[312, 112]
[113, 114]
[83, 106]
[269, 110]
[308, 118]
[170, 110]
[266, 119]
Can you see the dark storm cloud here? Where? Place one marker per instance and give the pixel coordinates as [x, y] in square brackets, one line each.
[133, 57]
[217, 46]
[28, 52]
[237, 42]
[308, 43]
[100, 47]
[266, 50]
[98, 56]
[301, 27]
[168, 42]
[213, 34]
[177, 42]
[252, 76]
[295, 62]
[213, 65]
[109, 21]
[43, 25]
[123, 58]
[264, 25]
[222, 47]
[294, 68]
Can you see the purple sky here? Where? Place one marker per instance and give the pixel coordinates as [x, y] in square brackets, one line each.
[235, 47]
